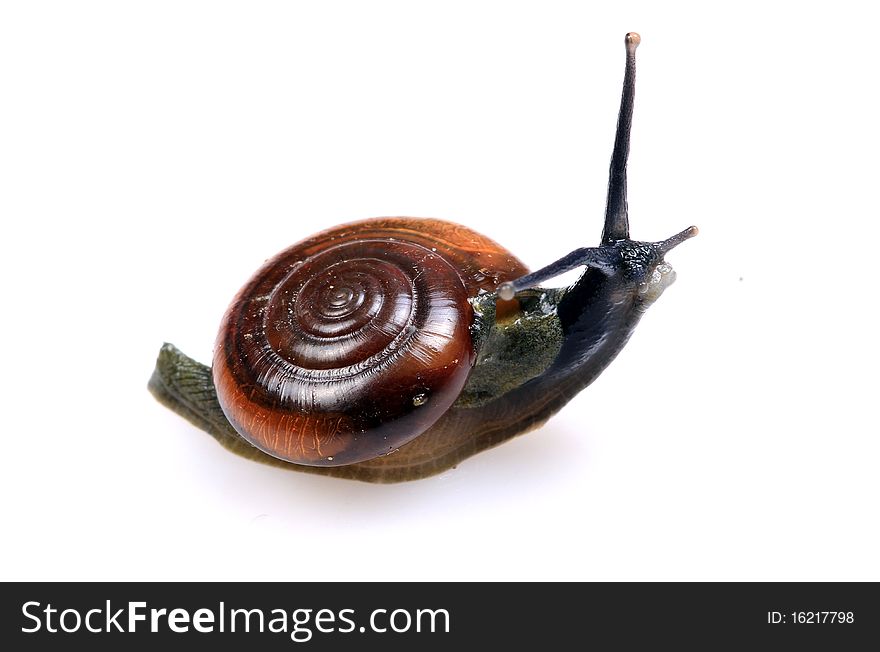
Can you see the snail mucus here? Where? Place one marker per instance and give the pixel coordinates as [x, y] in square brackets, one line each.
[392, 348]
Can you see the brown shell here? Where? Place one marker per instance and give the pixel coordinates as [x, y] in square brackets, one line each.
[346, 346]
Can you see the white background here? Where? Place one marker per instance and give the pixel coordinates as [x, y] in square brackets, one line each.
[153, 154]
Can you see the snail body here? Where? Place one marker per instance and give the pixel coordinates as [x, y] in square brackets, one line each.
[390, 349]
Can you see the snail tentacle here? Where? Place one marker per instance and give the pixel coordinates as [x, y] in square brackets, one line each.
[616, 211]
[585, 256]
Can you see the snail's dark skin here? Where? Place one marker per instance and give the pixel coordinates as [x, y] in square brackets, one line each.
[391, 349]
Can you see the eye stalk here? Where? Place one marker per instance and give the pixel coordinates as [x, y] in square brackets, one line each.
[616, 230]
[616, 210]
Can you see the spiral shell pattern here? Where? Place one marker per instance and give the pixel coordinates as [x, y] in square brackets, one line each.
[349, 344]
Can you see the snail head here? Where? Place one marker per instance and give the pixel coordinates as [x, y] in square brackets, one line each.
[641, 263]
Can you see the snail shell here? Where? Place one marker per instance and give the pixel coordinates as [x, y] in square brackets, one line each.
[348, 345]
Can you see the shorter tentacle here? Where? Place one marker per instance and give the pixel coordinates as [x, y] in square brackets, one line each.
[670, 243]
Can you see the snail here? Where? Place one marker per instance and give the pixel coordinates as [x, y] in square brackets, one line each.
[392, 348]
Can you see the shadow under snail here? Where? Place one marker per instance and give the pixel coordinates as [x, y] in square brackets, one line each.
[390, 349]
